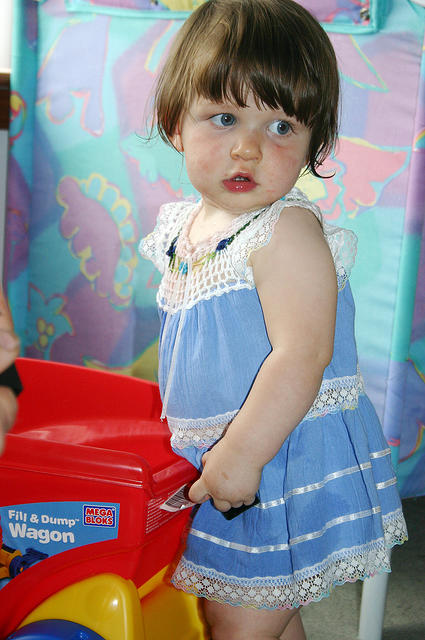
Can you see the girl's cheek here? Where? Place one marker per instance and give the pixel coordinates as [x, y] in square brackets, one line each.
[209, 158]
[289, 159]
[200, 164]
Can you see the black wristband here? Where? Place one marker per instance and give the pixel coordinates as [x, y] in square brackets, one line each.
[10, 378]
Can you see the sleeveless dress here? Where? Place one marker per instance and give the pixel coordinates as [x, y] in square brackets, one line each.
[329, 509]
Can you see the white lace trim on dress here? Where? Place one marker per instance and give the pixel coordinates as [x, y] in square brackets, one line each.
[206, 283]
[221, 266]
[198, 432]
[301, 587]
[335, 394]
[169, 220]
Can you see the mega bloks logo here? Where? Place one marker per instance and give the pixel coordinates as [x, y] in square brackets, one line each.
[99, 515]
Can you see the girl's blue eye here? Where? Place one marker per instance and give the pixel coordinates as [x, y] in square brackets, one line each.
[280, 127]
[223, 120]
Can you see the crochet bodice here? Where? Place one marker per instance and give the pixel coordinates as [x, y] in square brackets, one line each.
[221, 263]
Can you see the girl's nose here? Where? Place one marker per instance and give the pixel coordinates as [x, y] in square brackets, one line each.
[247, 147]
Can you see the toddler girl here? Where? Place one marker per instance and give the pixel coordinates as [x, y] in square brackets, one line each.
[258, 367]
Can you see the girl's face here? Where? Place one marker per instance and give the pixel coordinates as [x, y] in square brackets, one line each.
[241, 158]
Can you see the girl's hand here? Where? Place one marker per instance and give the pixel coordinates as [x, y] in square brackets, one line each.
[228, 477]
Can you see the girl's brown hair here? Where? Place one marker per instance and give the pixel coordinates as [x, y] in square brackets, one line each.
[272, 48]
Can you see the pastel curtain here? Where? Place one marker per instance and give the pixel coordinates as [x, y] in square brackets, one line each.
[85, 185]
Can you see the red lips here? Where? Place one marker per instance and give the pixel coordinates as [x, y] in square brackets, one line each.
[240, 183]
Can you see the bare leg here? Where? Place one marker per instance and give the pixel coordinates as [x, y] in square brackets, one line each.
[239, 623]
[294, 630]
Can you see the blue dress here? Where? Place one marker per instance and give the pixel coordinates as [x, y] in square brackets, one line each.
[329, 509]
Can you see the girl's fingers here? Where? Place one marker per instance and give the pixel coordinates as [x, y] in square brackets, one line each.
[222, 505]
[198, 492]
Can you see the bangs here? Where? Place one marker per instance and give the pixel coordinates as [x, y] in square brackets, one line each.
[254, 51]
[272, 49]
[276, 89]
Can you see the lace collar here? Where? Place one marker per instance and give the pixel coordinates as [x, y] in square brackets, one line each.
[184, 248]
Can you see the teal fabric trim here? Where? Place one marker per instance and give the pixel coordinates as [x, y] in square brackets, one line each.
[23, 81]
[75, 6]
[353, 29]
[376, 12]
[395, 456]
[405, 302]
[417, 353]
[118, 12]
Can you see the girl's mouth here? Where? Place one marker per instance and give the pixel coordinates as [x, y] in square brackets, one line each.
[240, 183]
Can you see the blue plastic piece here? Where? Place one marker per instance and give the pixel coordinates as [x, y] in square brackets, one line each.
[55, 630]
[16, 566]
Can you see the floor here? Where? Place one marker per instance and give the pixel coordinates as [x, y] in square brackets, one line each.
[336, 617]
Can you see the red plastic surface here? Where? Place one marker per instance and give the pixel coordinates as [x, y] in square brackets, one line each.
[86, 435]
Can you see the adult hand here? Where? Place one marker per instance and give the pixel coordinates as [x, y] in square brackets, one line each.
[9, 349]
[8, 409]
[9, 342]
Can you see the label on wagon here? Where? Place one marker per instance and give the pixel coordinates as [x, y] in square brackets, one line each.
[96, 516]
[178, 500]
[29, 533]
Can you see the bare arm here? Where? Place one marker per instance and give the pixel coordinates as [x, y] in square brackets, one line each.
[296, 283]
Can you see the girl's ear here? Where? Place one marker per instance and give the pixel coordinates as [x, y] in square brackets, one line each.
[176, 140]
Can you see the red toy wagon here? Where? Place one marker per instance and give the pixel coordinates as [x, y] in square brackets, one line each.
[85, 471]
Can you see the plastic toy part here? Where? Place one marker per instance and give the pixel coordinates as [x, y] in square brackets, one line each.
[12, 562]
[55, 630]
[106, 603]
[172, 615]
[111, 607]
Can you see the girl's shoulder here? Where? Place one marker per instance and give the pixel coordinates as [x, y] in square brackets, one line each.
[170, 219]
[297, 198]
[342, 242]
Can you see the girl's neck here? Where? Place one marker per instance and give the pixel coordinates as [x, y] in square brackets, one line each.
[209, 222]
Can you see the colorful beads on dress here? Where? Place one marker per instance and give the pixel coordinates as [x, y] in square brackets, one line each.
[171, 252]
[178, 264]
